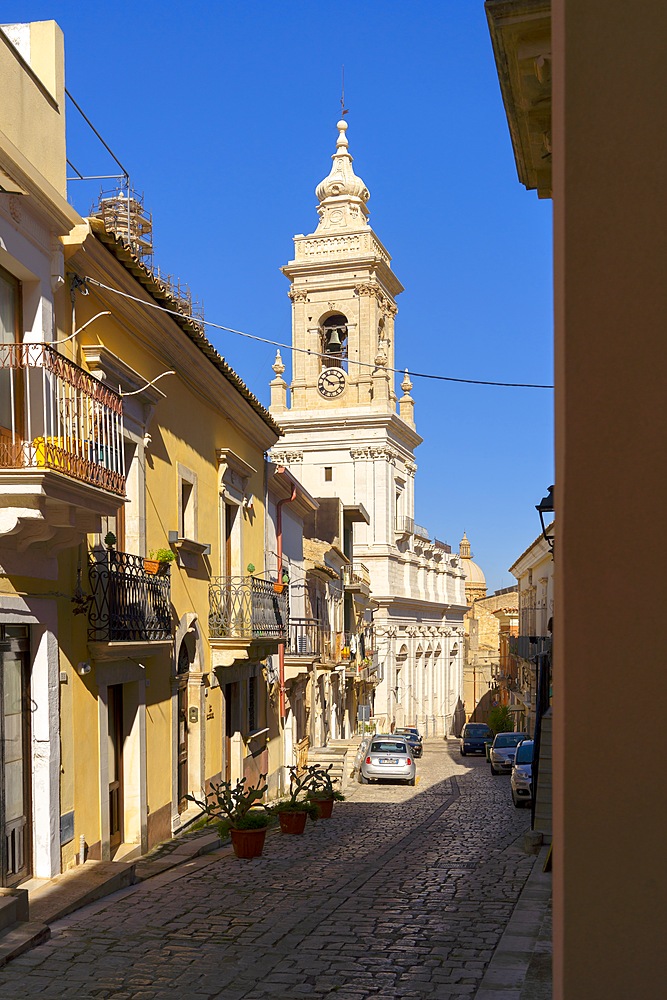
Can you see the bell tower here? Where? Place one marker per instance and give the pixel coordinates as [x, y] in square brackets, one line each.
[346, 435]
[343, 294]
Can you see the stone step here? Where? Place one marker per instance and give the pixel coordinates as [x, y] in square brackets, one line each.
[78, 887]
[19, 938]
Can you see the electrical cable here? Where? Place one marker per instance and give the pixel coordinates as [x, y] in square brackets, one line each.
[306, 350]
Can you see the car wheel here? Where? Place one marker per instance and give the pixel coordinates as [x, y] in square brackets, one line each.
[411, 781]
[494, 772]
[462, 752]
[517, 804]
[363, 780]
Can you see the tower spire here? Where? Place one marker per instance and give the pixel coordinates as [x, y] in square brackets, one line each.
[342, 195]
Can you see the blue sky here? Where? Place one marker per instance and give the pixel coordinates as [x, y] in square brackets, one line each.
[225, 113]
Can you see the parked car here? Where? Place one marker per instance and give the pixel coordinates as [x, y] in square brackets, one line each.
[410, 729]
[388, 756]
[521, 781]
[474, 737]
[503, 750]
[413, 738]
[360, 754]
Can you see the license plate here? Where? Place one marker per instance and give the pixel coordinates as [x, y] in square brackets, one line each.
[388, 760]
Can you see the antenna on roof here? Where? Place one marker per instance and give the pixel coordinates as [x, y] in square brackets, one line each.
[343, 109]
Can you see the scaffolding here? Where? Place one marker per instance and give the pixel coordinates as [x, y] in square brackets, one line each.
[124, 215]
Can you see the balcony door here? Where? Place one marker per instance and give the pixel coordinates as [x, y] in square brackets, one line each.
[15, 766]
[10, 387]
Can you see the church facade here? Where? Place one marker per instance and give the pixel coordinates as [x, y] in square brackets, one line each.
[348, 435]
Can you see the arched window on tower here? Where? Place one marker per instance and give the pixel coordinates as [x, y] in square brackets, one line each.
[333, 331]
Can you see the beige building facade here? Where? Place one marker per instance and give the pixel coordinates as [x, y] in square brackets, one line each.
[346, 434]
[583, 86]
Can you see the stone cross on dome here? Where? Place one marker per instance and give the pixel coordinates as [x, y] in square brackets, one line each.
[342, 195]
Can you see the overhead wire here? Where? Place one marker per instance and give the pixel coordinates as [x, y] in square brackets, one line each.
[307, 350]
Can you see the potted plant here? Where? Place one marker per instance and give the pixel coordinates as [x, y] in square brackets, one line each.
[321, 791]
[293, 812]
[241, 810]
[158, 561]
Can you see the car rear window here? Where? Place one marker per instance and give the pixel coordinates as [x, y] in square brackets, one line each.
[524, 754]
[477, 729]
[509, 739]
[388, 746]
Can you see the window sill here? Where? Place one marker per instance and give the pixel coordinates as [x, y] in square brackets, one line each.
[189, 545]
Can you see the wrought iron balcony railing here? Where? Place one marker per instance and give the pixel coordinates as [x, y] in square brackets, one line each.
[356, 574]
[246, 607]
[528, 646]
[304, 637]
[128, 604]
[56, 416]
[404, 525]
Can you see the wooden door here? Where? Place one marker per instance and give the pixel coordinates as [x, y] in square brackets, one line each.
[115, 710]
[182, 743]
[232, 723]
[15, 763]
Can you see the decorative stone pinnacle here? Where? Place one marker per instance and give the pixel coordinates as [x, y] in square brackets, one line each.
[278, 365]
[406, 384]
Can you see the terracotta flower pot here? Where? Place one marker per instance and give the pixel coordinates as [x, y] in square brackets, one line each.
[292, 822]
[324, 807]
[248, 843]
[151, 566]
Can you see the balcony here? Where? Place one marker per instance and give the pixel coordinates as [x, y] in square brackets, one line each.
[128, 605]
[247, 617]
[404, 525]
[61, 448]
[357, 578]
[529, 646]
[304, 638]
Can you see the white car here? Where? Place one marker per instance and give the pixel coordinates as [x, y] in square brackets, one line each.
[503, 748]
[521, 781]
[388, 757]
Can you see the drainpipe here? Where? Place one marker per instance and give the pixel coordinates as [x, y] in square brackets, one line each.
[279, 545]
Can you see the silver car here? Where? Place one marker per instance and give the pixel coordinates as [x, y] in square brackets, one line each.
[502, 752]
[388, 757]
[521, 781]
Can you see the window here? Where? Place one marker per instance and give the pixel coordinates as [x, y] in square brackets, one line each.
[328, 474]
[187, 504]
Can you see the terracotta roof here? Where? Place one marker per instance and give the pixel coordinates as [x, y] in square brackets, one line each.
[159, 292]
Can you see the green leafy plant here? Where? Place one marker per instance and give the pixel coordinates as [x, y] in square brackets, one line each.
[501, 720]
[241, 807]
[163, 555]
[299, 787]
[321, 785]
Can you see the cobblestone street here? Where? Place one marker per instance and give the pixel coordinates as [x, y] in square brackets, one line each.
[404, 893]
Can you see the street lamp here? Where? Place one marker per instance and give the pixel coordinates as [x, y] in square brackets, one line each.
[546, 506]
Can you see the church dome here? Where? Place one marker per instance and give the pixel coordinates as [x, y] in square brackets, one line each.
[475, 579]
[342, 195]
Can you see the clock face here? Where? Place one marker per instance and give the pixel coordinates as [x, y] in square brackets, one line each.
[331, 382]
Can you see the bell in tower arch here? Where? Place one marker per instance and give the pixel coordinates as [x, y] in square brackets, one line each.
[334, 337]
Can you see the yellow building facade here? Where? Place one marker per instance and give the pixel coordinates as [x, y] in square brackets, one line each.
[135, 613]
